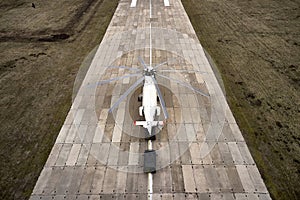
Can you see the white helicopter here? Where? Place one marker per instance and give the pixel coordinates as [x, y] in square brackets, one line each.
[149, 109]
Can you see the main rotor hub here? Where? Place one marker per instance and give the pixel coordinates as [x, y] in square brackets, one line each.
[150, 71]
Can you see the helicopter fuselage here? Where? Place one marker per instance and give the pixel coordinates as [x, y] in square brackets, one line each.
[149, 102]
[149, 108]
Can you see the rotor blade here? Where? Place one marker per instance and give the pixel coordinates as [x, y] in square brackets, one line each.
[124, 67]
[142, 62]
[163, 63]
[180, 70]
[183, 84]
[115, 79]
[126, 93]
[162, 102]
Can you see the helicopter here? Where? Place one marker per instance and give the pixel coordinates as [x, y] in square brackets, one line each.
[150, 93]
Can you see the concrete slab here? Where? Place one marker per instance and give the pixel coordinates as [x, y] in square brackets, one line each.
[63, 155]
[97, 182]
[245, 178]
[200, 180]
[87, 180]
[188, 178]
[109, 181]
[72, 158]
[83, 155]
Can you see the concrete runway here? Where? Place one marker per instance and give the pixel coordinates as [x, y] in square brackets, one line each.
[201, 153]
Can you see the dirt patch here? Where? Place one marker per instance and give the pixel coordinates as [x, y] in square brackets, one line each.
[41, 50]
[255, 45]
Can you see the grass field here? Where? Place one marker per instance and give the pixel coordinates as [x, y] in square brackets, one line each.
[41, 50]
[256, 47]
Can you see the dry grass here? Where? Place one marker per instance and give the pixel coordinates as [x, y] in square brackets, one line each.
[41, 50]
[256, 44]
